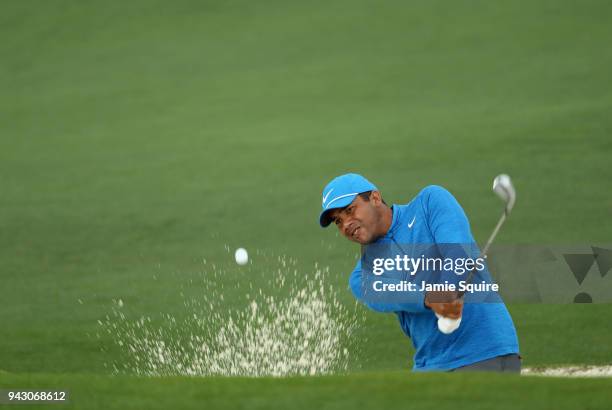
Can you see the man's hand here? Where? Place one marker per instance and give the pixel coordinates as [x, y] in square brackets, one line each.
[444, 303]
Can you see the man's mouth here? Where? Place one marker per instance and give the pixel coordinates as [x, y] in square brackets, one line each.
[353, 234]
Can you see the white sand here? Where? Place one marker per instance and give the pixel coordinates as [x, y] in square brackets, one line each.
[304, 332]
[570, 371]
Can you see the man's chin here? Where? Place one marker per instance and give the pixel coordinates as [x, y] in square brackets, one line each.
[362, 241]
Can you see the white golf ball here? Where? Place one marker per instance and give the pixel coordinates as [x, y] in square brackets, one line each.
[241, 255]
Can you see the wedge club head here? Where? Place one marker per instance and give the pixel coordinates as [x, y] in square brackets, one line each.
[502, 186]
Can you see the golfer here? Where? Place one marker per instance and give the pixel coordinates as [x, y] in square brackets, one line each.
[486, 339]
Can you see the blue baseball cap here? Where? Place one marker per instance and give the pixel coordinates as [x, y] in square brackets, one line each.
[340, 192]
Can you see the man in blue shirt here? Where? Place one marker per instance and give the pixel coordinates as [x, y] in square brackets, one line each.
[486, 339]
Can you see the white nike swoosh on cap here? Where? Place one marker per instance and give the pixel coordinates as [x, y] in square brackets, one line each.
[411, 222]
[340, 197]
[327, 195]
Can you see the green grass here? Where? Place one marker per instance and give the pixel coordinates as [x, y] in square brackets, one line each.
[365, 390]
[137, 139]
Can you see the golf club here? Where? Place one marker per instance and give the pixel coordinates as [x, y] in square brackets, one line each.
[502, 186]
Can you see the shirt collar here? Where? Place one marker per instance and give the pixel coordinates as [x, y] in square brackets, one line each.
[394, 221]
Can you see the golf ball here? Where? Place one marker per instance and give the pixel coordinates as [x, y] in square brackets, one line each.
[241, 255]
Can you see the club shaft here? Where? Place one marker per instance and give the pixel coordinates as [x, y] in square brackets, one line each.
[485, 250]
[501, 221]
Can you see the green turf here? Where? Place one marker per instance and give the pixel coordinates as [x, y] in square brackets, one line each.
[366, 390]
[137, 139]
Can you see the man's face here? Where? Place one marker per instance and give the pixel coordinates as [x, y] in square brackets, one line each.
[360, 221]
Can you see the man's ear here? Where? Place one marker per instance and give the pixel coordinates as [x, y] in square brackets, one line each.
[376, 198]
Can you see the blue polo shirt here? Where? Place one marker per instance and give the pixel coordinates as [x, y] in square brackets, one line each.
[435, 217]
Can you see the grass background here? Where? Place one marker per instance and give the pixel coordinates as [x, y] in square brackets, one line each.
[137, 139]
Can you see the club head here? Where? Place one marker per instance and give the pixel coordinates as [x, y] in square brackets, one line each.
[502, 186]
